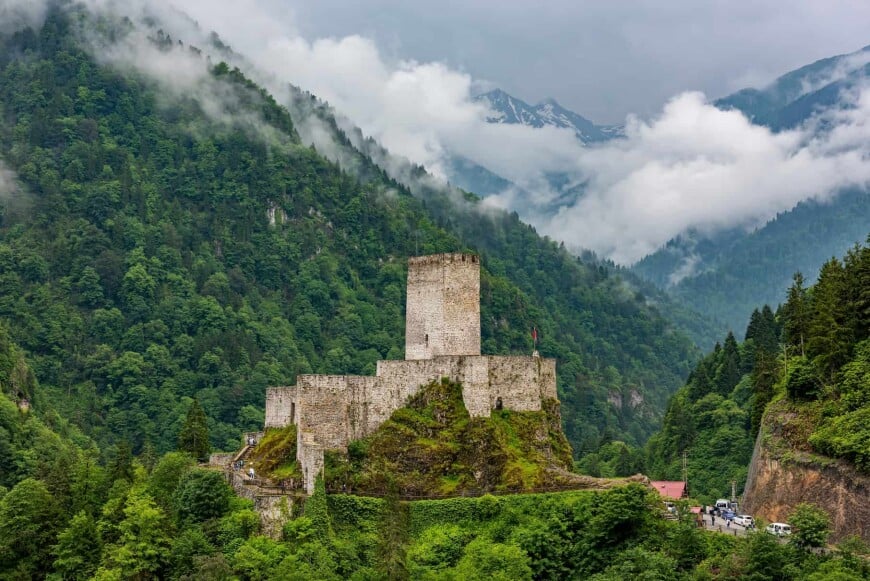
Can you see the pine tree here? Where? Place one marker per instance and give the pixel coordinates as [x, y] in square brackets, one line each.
[768, 337]
[193, 437]
[121, 467]
[728, 374]
[796, 315]
[764, 376]
[830, 332]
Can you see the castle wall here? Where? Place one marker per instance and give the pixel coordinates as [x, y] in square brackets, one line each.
[521, 382]
[309, 454]
[324, 404]
[443, 306]
[279, 405]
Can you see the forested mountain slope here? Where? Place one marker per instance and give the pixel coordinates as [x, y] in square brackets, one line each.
[736, 271]
[726, 275]
[801, 377]
[169, 245]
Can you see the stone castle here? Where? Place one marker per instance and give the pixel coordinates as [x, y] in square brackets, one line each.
[442, 339]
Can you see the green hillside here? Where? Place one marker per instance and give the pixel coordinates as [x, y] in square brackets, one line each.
[159, 254]
[737, 271]
[811, 361]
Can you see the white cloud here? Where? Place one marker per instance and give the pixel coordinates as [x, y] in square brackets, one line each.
[16, 14]
[691, 167]
[8, 183]
[696, 167]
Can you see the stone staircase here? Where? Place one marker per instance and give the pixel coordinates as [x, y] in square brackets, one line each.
[273, 503]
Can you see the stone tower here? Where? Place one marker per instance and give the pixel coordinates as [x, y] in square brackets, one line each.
[443, 307]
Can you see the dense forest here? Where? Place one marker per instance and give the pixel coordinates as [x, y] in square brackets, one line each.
[811, 358]
[69, 517]
[163, 247]
[727, 274]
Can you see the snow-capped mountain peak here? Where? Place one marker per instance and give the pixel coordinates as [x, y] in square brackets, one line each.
[505, 108]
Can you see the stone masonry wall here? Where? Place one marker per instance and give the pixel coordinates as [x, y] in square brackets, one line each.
[341, 408]
[443, 306]
[324, 404]
[279, 404]
[309, 454]
[519, 382]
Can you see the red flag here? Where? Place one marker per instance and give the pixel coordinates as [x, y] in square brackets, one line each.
[535, 334]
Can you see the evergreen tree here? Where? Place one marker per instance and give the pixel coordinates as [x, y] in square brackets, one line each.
[796, 315]
[728, 373]
[29, 518]
[862, 276]
[830, 330]
[193, 437]
[121, 467]
[78, 548]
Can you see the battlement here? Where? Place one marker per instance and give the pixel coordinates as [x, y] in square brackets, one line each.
[442, 313]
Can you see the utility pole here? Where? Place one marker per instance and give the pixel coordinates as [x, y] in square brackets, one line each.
[734, 492]
[685, 472]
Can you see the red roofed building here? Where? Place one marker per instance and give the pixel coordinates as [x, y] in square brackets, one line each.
[672, 489]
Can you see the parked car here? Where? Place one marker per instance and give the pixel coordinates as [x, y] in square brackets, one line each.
[779, 529]
[722, 504]
[744, 520]
[728, 514]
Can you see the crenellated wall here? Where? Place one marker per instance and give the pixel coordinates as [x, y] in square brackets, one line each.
[333, 410]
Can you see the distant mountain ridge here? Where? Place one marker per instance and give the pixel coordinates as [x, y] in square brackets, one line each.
[795, 96]
[510, 110]
[725, 275]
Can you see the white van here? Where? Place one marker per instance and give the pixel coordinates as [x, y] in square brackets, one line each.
[722, 505]
[779, 529]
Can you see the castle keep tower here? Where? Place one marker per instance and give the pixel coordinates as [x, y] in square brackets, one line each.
[443, 307]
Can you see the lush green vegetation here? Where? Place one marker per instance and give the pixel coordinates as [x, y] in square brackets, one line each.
[274, 456]
[433, 447]
[159, 255]
[811, 359]
[64, 516]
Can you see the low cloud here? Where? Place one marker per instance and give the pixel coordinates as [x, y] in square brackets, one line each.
[18, 14]
[697, 167]
[690, 167]
[8, 182]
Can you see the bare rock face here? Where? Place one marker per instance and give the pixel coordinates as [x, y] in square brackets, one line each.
[782, 475]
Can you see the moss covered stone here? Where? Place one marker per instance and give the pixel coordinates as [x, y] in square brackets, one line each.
[433, 447]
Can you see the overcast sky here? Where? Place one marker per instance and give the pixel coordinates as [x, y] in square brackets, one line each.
[603, 59]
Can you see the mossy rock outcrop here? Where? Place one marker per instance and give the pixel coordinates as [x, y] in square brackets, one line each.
[433, 447]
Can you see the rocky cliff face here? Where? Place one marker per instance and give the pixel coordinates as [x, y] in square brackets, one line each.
[784, 472]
